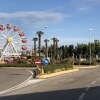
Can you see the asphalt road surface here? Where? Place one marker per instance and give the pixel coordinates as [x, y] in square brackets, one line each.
[81, 85]
[10, 77]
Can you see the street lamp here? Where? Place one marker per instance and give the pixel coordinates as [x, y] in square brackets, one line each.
[46, 26]
[90, 43]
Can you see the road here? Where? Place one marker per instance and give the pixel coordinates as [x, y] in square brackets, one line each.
[10, 77]
[81, 85]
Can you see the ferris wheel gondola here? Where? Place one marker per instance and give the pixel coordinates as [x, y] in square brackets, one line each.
[12, 42]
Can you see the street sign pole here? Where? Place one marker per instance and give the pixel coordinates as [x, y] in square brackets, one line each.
[45, 61]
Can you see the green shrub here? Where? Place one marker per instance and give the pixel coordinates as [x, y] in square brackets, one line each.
[16, 65]
[88, 63]
[54, 67]
[84, 63]
[67, 61]
[98, 61]
[76, 62]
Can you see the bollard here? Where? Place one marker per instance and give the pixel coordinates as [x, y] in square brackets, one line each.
[42, 71]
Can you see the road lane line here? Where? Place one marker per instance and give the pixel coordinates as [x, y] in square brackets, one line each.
[93, 82]
[16, 87]
[87, 88]
[30, 72]
[30, 82]
[81, 96]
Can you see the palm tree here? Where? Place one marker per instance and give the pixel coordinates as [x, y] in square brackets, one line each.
[46, 44]
[56, 41]
[54, 46]
[35, 39]
[39, 33]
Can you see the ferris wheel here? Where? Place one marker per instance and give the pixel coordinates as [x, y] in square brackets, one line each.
[12, 42]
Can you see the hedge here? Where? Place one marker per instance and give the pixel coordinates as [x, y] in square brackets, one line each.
[17, 65]
[51, 68]
[84, 63]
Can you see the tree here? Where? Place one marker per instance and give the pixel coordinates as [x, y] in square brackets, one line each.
[46, 45]
[71, 50]
[34, 39]
[39, 33]
[54, 47]
[56, 42]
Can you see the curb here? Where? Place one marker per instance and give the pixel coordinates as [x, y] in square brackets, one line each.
[56, 74]
[86, 67]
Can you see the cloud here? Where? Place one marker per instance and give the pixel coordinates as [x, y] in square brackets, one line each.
[94, 1]
[87, 5]
[89, 2]
[83, 9]
[34, 18]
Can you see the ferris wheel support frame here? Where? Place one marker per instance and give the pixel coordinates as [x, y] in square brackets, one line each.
[13, 39]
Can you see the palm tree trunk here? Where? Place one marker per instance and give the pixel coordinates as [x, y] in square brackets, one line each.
[39, 45]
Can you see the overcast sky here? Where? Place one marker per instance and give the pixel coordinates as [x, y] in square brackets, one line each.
[68, 20]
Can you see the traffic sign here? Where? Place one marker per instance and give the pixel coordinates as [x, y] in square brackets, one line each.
[37, 62]
[45, 61]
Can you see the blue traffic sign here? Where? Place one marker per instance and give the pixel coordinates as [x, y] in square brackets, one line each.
[45, 61]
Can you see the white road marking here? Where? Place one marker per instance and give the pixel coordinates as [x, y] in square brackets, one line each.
[81, 96]
[30, 82]
[30, 72]
[23, 84]
[87, 88]
[93, 82]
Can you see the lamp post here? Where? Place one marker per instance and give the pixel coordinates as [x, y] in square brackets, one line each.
[90, 43]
